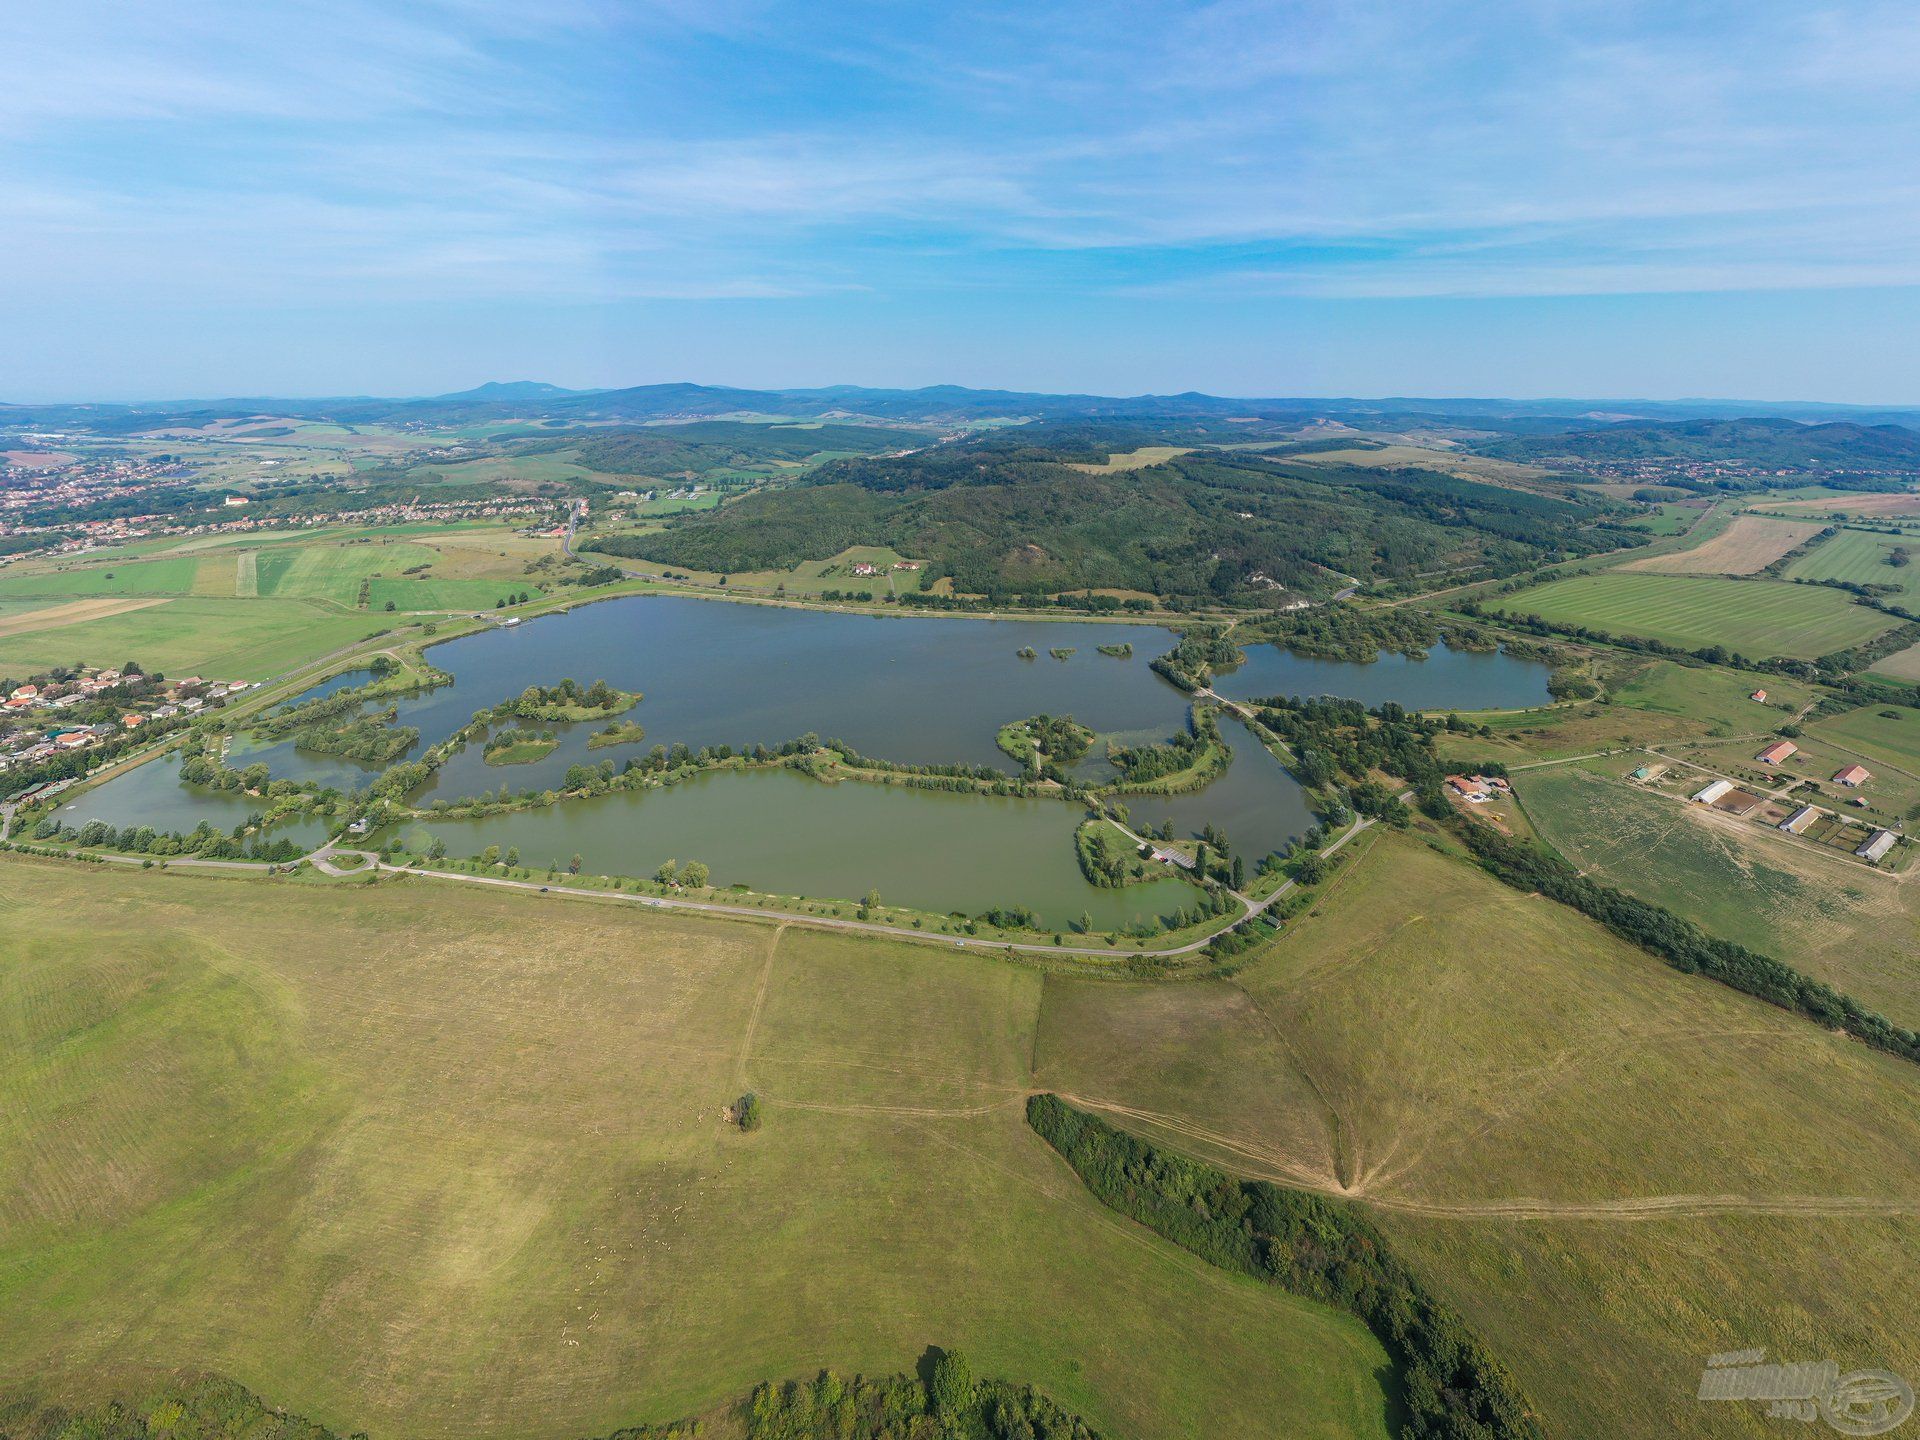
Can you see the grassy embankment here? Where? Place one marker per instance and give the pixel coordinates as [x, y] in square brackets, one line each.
[1610, 1169]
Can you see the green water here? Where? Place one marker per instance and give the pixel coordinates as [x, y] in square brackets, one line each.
[786, 834]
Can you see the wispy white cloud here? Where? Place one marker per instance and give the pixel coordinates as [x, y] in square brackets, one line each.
[1323, 147]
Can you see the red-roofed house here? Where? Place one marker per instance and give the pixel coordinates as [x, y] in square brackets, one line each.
[1852, 776]
[1776, 752]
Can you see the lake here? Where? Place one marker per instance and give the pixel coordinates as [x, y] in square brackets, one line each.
[786, 834]
[918, 690]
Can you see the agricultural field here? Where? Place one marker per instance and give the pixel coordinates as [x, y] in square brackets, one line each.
[1749, 543]
[20, 617]
[1612, 1169]
[441, 596]
[1825, 914]
[96, 576]
[1757, 618]
[1861, 558]
[1886, 737]
[229, 639]
[1667, 518]
[509, 471]
[810, 577]
[225, 1151]
[1650, 702]
[247, 606]
[328, 571]
[1901, 665]
[1847, 502]
[1419, 457]
[1134, 459]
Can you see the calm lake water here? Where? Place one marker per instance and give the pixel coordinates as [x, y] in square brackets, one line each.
[786, 834]
[916, 690]
[154, 794]
[1445, 680]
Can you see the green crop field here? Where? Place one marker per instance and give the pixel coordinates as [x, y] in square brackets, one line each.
[432, 594]
[333, 571]
[179, 575]
[1821, 913]
[1886, 734]
[530, 469]
[228, 639]
[1860, 558]
[1651, 702]
[1667, 518]
[1611, 1168]
[253, 605]
[1757, 618]
[454, 1165]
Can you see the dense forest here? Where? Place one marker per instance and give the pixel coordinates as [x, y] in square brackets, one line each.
[1007, 516]
[673, 451]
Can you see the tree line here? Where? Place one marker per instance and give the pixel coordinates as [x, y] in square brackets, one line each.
[1452, 1386]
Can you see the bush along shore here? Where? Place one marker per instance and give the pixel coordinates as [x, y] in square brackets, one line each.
[1451, 1386]
[1186, 762]
[392, 680]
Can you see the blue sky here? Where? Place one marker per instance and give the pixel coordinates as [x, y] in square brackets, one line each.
[1496, 197]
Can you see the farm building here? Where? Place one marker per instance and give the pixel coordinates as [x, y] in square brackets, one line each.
[1776, 752]
[1876, 845]
[1645, 772]
[1800, 820]
[1710, 793]
[1759, 695]
[1852, 776]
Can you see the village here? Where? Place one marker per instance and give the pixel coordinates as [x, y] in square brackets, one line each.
[63, 712]
[37, 482]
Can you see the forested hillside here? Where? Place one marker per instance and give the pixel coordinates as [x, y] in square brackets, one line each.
[1007, 516]
[1761, 442]
[671, 450]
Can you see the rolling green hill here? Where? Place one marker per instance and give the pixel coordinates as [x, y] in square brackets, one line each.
[1006, 516]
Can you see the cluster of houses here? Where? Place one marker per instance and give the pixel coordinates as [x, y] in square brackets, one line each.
[866, 568]
[1478, 789]
[86, 536]
[30, 740]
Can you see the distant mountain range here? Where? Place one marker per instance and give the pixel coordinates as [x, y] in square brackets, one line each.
[936, 405]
